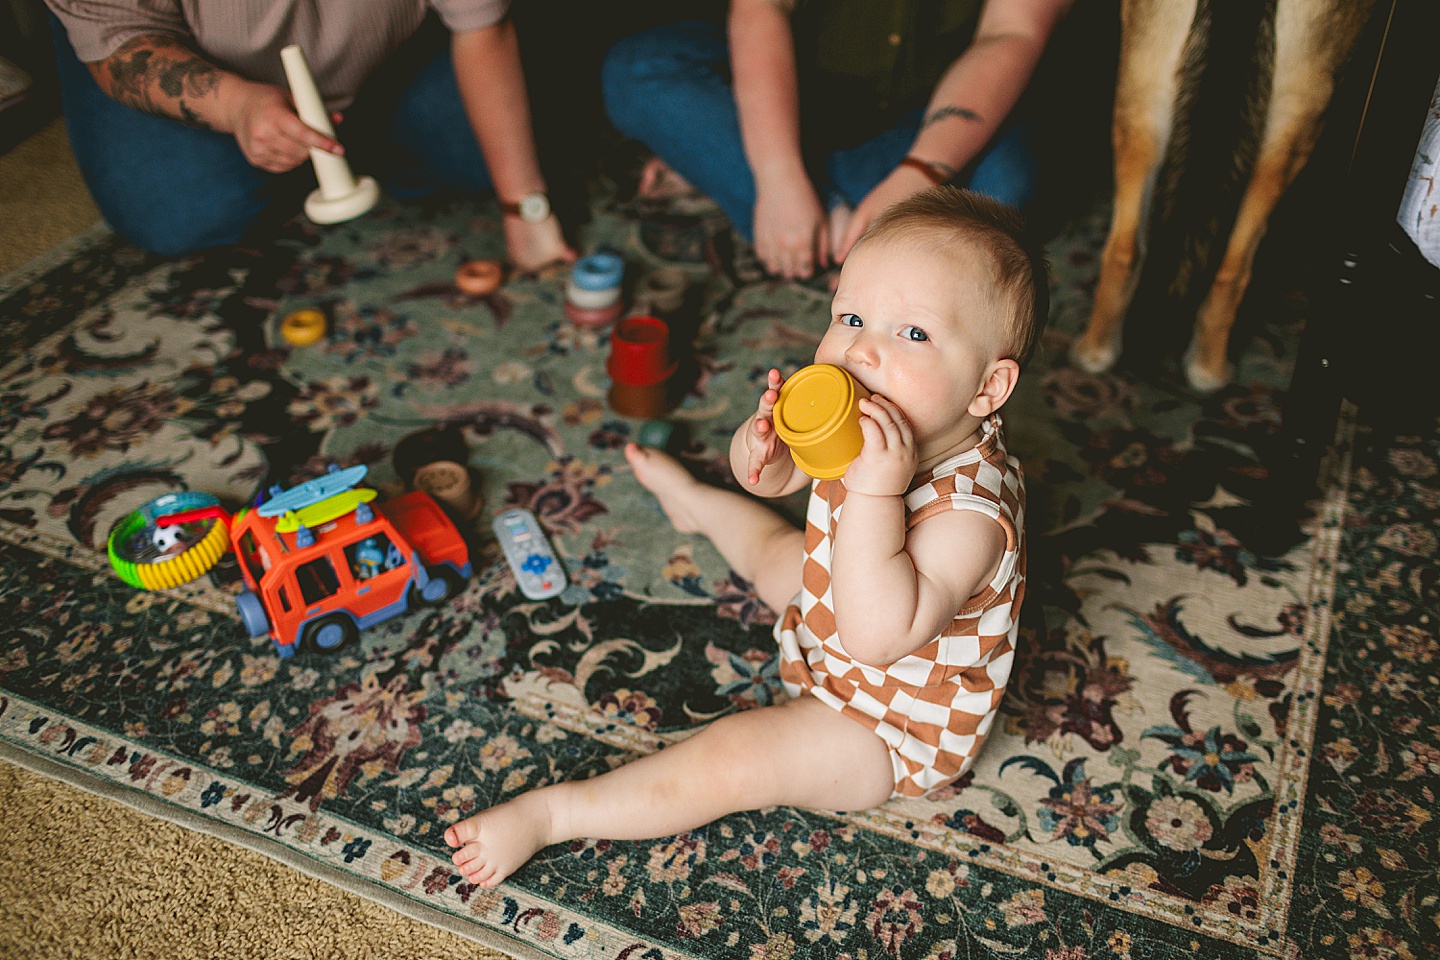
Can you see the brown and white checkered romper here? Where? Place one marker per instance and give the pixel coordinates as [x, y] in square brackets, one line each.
[934, 707]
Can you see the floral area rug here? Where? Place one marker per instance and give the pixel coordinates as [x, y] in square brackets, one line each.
[1205, 747]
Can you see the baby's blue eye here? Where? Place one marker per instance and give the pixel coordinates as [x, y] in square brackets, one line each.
[914, 333]
[851, 320]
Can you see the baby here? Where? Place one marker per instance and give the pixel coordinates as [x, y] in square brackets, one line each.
[899, 601]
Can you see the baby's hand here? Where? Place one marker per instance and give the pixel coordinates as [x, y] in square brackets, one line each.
[888, 459]
[761, 441]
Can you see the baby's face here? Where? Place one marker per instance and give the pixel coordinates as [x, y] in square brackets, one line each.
[921, 328]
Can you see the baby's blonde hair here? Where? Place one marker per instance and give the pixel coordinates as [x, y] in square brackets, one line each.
[952, 215]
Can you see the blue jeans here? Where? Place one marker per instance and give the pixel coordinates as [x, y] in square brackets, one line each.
[670, 89]
[173, 188]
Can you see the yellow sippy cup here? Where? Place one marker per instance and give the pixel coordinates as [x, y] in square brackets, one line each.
[818, 417]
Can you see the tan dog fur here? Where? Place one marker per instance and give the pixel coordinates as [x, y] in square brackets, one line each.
[1312, 40]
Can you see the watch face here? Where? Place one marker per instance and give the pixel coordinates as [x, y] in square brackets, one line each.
[534, 207]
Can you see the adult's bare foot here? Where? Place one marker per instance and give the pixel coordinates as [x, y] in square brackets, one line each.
[671, 483]
[659, 182]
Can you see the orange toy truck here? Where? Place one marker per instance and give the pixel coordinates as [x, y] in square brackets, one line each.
[321, 562]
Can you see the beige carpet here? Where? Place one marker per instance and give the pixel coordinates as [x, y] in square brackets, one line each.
[86, 877]
[42, 198]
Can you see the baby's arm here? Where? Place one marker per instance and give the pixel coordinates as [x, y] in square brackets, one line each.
[890, 602]
[758, 458]
[895, 591]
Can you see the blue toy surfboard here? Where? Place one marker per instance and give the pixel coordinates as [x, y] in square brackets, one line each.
[304, 494]
[324, 511]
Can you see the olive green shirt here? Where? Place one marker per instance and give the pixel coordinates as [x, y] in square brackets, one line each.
[865, 63]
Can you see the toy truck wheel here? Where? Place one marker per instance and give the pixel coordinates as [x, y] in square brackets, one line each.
[252, 614]
[329, 634]
[443, 584]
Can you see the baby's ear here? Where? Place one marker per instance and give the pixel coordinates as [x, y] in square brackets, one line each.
[996, 389]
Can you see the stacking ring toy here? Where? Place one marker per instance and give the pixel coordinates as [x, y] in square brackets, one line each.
[593, 319]
[583, 299]
[300, 328]
[598, 271]
[152, 550]
[479, 277]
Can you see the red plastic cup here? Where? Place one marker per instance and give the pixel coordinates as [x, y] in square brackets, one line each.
[642, 403]
[640, 352]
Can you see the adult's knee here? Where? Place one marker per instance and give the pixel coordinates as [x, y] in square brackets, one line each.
[428, 144]
[649, 68]
[174, 236]
[190, 208]
[160, 184]
[1008, 171]
[624, 76]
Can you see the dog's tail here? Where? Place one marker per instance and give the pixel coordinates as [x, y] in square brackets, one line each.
[1224, 88]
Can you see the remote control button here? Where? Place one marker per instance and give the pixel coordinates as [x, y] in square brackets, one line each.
[536, 564]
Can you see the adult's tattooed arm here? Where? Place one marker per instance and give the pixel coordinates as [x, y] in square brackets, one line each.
[970, 102]
[157, 73]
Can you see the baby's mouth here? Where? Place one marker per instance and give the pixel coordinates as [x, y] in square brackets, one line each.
[865, 386]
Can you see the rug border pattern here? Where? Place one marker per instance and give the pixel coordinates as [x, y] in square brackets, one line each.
[395, 874]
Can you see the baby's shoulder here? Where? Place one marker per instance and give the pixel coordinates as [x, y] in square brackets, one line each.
[959, 551]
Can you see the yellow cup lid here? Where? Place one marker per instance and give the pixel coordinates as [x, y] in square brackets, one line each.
[814, 402]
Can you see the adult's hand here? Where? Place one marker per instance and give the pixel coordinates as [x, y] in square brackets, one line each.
[790, 228]
[269, 132]
[535, 245]
[792, 235]
[902, 182]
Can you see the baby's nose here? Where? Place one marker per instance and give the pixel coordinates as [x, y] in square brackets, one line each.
[862, 351]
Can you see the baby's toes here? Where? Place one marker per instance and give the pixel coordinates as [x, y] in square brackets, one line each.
[461, 833]
[484, 876]
[462, 856]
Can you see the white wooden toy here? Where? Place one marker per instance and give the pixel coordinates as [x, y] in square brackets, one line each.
[340, 195]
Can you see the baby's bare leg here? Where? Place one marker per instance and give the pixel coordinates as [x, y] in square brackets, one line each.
[758, 543]
[800, 753]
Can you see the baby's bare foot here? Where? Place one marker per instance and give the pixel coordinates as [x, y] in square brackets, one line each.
[671, 483]
[496, 842]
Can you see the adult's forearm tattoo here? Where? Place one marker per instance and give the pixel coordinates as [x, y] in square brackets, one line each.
[160, 75]
[945, 113]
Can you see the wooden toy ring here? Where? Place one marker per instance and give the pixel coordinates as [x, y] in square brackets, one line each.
[300, 328]
[449, 482]
[479, 277]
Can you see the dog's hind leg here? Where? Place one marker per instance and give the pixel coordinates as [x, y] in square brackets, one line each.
[1153, 36]
[1312, 39]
